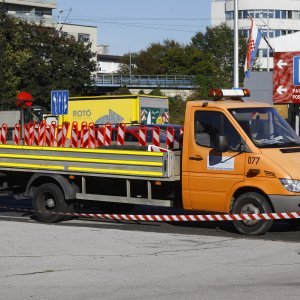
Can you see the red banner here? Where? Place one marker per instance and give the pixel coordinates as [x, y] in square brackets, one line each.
[285, 74]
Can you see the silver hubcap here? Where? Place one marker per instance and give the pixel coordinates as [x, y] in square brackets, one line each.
[250, 208]
[50, 203]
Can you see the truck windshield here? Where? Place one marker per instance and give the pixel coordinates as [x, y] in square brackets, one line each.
[265, 127]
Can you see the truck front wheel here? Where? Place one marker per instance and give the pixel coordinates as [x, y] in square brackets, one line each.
[251, 203]
[47, 200]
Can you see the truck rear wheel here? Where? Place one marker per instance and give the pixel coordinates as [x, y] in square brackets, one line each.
[48, 199]
[251, 203]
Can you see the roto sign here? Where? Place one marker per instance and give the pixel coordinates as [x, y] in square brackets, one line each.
[286, 77]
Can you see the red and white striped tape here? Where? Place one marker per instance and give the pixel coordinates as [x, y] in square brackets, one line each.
[174, 218]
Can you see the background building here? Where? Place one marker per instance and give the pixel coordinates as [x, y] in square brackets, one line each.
[276, 18]
[42, 10]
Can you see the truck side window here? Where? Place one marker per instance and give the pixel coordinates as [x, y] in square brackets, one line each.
[209, 124]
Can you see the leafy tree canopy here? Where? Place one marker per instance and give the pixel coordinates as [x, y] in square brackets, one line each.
[38, 59]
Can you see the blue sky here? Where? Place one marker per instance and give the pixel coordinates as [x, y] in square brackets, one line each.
[131, 25]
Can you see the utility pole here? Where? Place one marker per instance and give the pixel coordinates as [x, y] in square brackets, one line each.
[268, 37]
[129, 65]
[236, 46]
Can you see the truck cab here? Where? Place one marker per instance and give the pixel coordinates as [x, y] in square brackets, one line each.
[239, 157]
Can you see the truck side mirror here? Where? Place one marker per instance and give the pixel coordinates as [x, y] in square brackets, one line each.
[221, 143]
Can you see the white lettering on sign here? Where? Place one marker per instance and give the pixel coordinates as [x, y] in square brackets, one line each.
[221, 163]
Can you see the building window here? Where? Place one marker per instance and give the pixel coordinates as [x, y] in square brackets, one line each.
[245, 33]
[83, 37]
[283, 14]
[277, 14]
[251, 13]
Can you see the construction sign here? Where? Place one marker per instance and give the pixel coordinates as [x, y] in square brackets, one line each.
[152, 115]
[286, 77]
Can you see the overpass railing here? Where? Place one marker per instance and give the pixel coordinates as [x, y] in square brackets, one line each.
[186, 81]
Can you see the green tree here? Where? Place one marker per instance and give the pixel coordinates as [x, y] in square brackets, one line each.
[177, 109]
[38, 59]
[124, 90]
[159, 59]
[217, 45]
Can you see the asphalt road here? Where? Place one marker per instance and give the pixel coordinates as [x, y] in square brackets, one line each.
[281, 231]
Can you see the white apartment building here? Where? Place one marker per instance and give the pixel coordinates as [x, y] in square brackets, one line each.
[276, 18]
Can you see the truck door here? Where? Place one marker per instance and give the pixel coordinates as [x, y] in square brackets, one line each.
[211, 174]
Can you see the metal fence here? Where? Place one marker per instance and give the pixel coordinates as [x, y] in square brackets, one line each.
[185, 81]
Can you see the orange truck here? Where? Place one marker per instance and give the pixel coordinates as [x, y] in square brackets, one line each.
[236, 157]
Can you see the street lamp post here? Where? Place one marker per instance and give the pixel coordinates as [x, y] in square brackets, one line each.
[236, 46]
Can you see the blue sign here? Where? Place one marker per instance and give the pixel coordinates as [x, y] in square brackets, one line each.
[59, 102]
[296, 70]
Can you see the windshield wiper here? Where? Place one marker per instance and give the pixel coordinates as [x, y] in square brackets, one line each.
[268, 143]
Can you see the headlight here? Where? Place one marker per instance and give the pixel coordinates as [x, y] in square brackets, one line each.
[291, 185]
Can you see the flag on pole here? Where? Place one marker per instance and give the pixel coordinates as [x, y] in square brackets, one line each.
[254, 41]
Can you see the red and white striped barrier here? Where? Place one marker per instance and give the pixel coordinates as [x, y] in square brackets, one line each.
[27, 138]
[142, 135]
[65, 129]
[3, 133]
[42, 134]
[121, 134]
[59, 136]
[170, 137]
[48, 141]
[92, 136]
[74, 142]
[17, 134]
[174, 217]
[31, 133]
[107, 134]
[156, 136]
[100, 136]
[36, 130]
[53, 133]
[84, 135]
[165, 117]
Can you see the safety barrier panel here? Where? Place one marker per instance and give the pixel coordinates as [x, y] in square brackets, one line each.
[88, 135]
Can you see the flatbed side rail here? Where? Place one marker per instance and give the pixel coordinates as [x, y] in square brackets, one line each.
[87, 161]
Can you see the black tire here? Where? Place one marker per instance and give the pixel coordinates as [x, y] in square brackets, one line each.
[47, 199]
[251, 202]
[294, 222]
